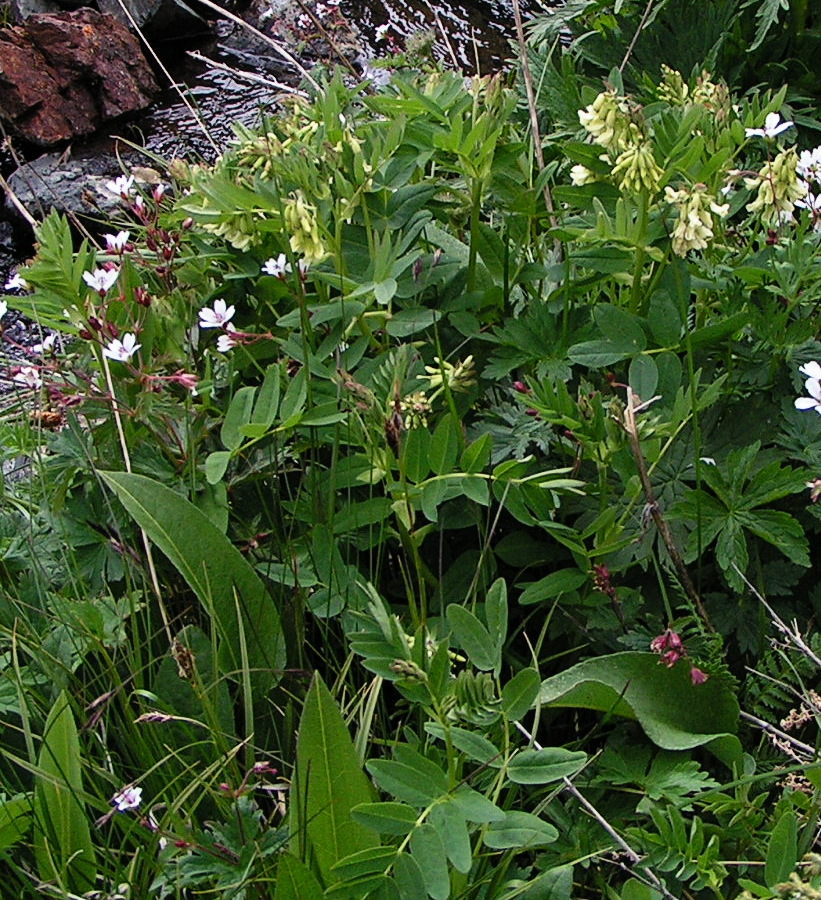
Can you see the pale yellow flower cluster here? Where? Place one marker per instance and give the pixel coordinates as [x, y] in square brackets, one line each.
[696, 207]
[778, 188]
[637, 169]
[607, 120]
[301, 221]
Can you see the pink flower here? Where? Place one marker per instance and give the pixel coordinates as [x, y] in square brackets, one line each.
[697, 676]
[127, 798]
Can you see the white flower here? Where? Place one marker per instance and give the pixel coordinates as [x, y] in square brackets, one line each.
[120, 186]
[17, 283]
[809, 164]
[773, 126]
[280, 267]
[277, 267]
[227, 341]
[216, 317]
[4, 308]
[812, 386]
[100, 280]
[128, 798]
[28, 376]
[122, 350]
[115, 243]
[382, 31]
[580, 175]
[48, 345]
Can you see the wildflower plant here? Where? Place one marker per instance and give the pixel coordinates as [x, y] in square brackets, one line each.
[374, 402]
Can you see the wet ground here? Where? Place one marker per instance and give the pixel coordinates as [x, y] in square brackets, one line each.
[474, 34]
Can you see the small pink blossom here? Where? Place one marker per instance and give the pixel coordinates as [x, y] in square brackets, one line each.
[227, 341]
[127, 798]
[28, 376]
[697, 676]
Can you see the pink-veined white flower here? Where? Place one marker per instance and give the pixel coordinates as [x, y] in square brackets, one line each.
[277, 267]
[101, 280]
[809, 164]
[227, 341]
[812, 386]
[115, 243]
[17, 283]
[773, 126]
[122, 350]
[120, 186]
[28, 376]
[127, 798]
[48, 345]
[217, 316]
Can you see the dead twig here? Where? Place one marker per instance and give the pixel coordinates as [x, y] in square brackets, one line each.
[652, 506]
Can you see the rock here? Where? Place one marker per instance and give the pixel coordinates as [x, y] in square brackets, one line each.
[72, 186]
[161, 18]
[62, 75]
[156, 17]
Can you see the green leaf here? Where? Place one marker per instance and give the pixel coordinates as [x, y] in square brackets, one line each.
[477, 455]
[545, 765]
[415, 457]
[554, 585]
[475, 746]
[293, 403]
[239, 414]
[265, 409]
[444, 446]
[674, 713]
[429, 851]
[329, 783]
[643, 376]
[295, 881]
[473, 638]
[410, 777]
[215, 570]
[409, 877]
[62, 839]
[782, 850]
[519, 831]
[665, 321]
[15, 820]
[475, 806]
[452, 827]
[215, 465]
[386, 818]
[520, 693]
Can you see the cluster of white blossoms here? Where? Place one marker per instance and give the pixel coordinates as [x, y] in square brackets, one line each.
[694, 226]
[812, 386]
[809, 171]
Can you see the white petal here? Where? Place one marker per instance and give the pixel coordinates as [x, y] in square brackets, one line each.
[813, 387]
[811, 369]
[805, 403]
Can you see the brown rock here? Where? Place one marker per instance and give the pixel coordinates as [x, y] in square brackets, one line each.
[63, 74]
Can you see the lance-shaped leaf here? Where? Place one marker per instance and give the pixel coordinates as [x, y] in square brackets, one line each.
[215, 570]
